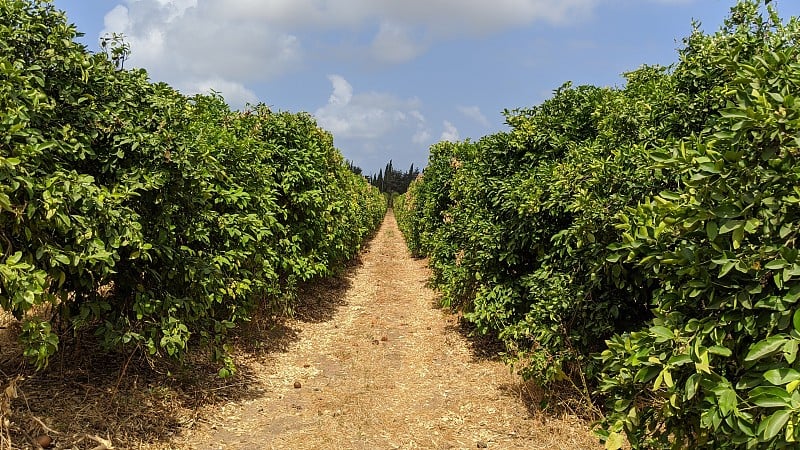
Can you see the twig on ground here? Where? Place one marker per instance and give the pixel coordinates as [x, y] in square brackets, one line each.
[44, 427]
[122, 373]
[9, 393]
[103, 444]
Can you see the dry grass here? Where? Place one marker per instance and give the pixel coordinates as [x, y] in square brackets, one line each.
[378, 367]
[90, 399]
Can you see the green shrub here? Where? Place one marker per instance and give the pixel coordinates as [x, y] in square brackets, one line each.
[516, 225]
[660, 218]
[149, 216]
[717, 368]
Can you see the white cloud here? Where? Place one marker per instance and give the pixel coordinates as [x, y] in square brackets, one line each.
[394, 44]
[450, 132]
[421, 137]
[179, 41]
[244, 41]
[117, 19]
[368, 115]
[423, 134]
[176, 7]
[474, 113]
[417, 115]
[342, 91]
[462, 17]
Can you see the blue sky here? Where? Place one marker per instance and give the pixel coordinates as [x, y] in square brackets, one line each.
[389, 78]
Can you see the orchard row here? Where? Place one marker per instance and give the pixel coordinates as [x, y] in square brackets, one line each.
[641, 241]
[154, 218]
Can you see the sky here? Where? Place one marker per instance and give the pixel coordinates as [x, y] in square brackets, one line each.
[391, 77]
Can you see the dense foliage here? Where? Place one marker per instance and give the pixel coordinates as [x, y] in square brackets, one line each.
[660, 218]
[147, 215]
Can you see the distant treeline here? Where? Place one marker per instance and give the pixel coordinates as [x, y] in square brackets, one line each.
[389, 179]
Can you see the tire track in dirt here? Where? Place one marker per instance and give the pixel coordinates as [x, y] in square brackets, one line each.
[386, 370]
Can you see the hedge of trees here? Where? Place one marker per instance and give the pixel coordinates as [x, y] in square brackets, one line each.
[643, 239]
[154, 218]
[393, 181]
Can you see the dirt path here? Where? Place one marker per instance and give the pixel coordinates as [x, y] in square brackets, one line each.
[384, 370]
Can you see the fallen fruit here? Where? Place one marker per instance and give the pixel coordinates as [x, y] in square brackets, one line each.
[297, 385]
[44, 441]
[384, 338]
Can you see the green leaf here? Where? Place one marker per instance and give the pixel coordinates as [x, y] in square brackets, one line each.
[712, 231]
[703, 365]
[724, 135]
[738, 236]
[734, 113]
[727, 401]
[645, 374]
[615, 441]
[709, 167]
[751, 226]
[660, 156]
[62, 258]
[796, 320]
[775, 96]
[671, 196]
[793, 295]
[781, 376]
[721, 351]
[730, 225]
[679, 360]
[659, 380]
[727, 267]
[691, 386]
[773, 425]
[663, 333]
[14, 259]
[668, 378]
[776, 264]
[765, 348]
[770, 397]
[727, 211]
[790, 351]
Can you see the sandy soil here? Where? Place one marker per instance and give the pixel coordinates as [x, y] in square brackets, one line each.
[385, 369]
